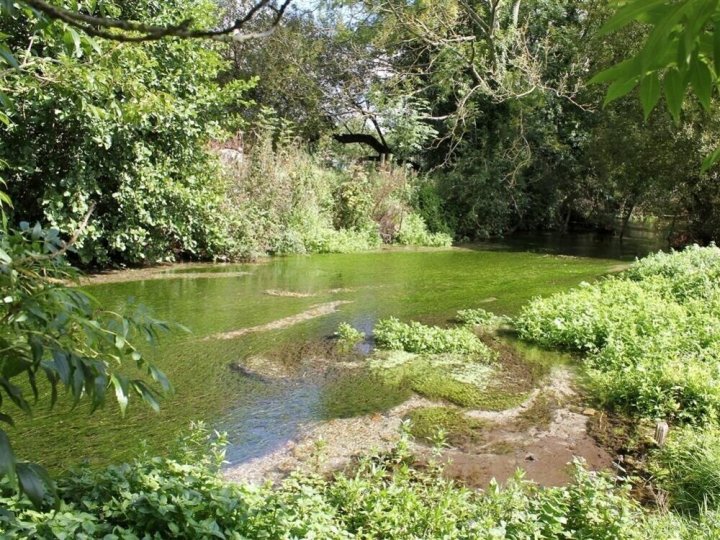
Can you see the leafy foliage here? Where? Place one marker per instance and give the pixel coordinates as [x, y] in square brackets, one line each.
[414, 232]
[417, 338]
[123, 126]
[651, 334]
[54, 331]
[688, 468]
[681, 51]
[348, 336]
[478, 317]
[183, 496]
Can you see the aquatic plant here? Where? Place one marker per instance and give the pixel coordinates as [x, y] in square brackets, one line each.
[479, 317]
[417, 338]
[426, 422]
[652, 335]
[348, 337]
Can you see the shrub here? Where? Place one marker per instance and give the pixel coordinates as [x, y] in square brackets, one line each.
[677, 391]
[348, 336]
[418, 338]
[414, 232]
[587, 318]
[652, 334]
[692, 273]
[125, 126]
[183, 496]
[688, 469]
[478, 317]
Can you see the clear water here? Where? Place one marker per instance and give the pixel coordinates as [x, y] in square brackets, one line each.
[259, 415]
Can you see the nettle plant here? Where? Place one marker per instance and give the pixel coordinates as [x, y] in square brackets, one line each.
[54, 335]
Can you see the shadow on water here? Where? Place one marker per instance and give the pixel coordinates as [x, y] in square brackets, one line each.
[638, 242]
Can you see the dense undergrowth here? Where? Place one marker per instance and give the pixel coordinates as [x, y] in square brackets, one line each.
[652, 343]
[129, 132]
[183, 496]
[283, 199]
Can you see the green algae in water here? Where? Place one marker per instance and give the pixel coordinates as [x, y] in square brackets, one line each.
[359, 394]
[458, 378]
[429, 286]
[458, 429]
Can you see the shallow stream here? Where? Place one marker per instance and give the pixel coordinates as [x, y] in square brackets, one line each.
[273, 310]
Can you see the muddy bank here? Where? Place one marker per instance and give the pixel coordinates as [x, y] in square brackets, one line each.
[541, 436]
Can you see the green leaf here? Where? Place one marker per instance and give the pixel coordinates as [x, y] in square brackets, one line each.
[649, 94]
[716, 51]
[623, 70]
[711, 160]
[8, 57]
[7, 459]
[62, 367]
[72, 41]
[160, 377]
[15, 395]
[36, 483]
[628, 14]
[147, 394]
[101, 382]
[121, 391]
[619, 89]
[701, 80]
[675, 84]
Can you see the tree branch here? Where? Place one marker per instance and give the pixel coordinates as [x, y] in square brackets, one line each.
[363, 138]
[132, 31]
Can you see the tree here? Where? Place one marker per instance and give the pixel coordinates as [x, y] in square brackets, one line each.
[125, 126]
[681, 50]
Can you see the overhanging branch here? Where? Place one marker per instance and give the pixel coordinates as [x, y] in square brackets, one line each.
[132, 31]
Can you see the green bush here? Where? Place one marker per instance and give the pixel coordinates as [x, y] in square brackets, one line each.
[124, 126]
[417, 338]
[692, 273]
[414, 232]
[348, 336]
[687, 467]
[478, 317]
[183, 496]
[652, 334]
